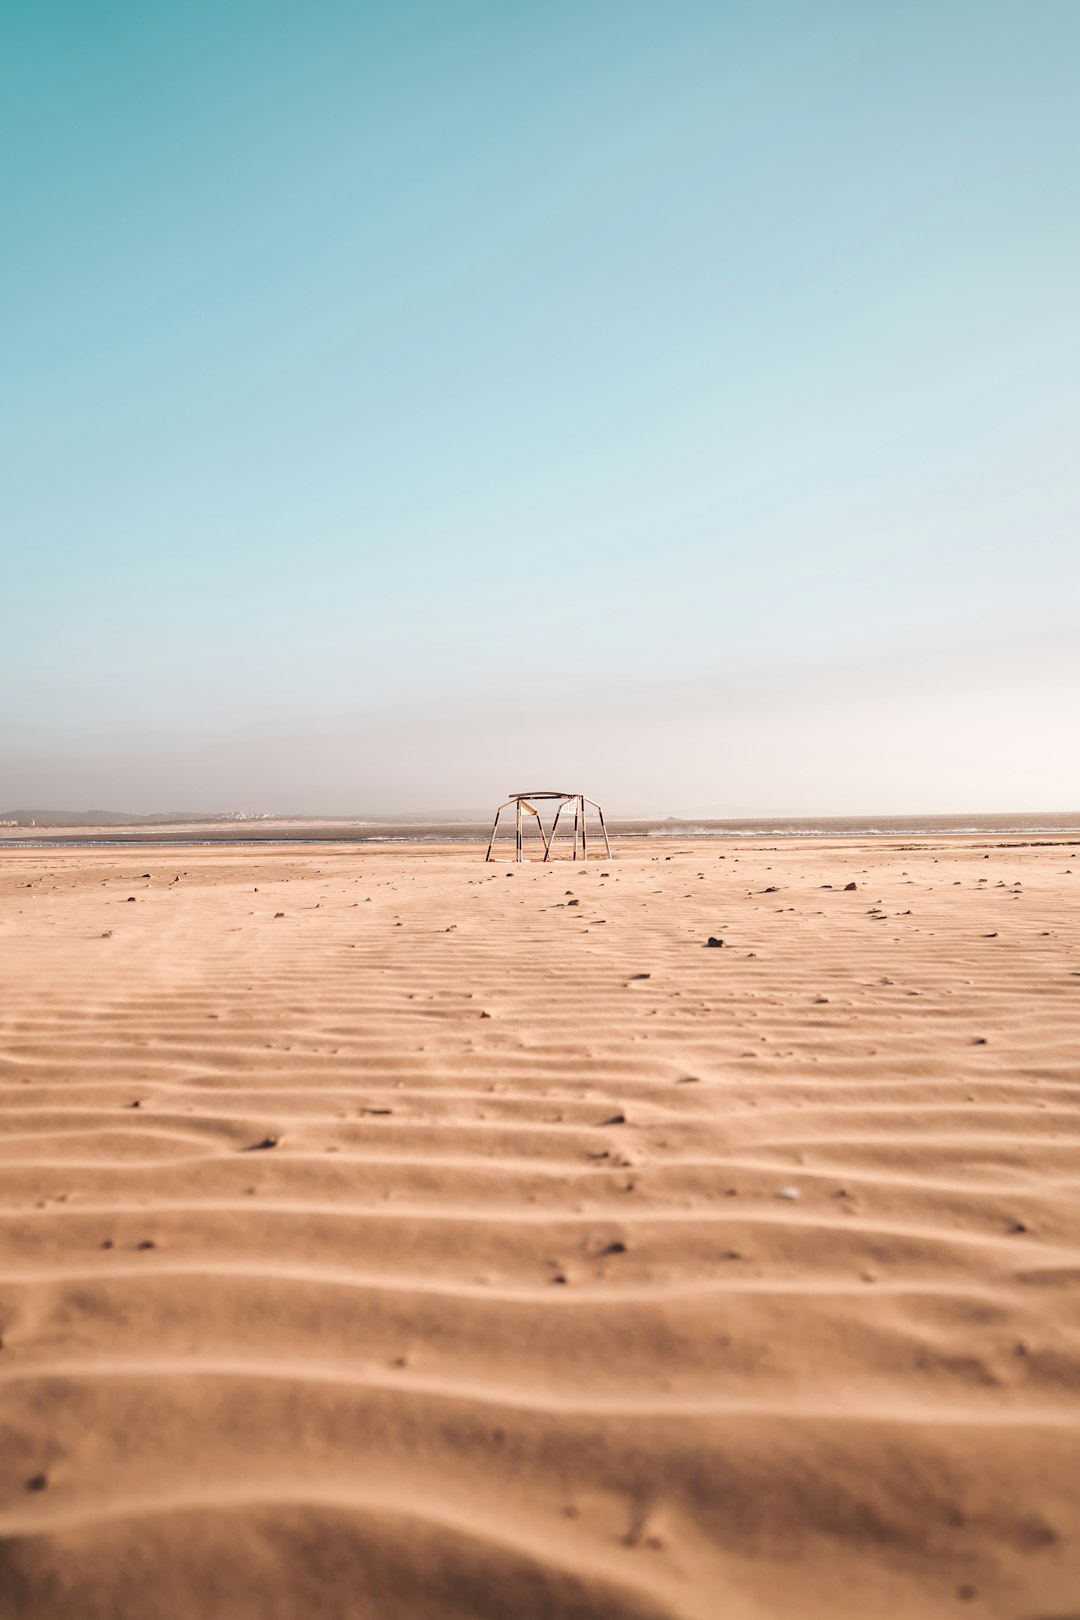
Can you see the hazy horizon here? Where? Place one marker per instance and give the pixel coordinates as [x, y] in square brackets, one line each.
[240, 815]
[408, 403]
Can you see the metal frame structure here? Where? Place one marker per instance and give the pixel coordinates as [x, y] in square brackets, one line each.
[576, 801]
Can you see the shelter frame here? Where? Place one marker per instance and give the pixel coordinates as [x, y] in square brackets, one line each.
[575, 802]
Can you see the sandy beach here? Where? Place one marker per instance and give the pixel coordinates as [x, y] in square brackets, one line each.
[386, 1236]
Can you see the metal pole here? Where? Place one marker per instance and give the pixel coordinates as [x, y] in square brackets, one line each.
[518, 829]
[533, 811]
[584, 829]
[495, 828]
[554, 827]
[603, 829]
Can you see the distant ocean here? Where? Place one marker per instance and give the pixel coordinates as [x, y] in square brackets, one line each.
[296, 831]
[872, 826]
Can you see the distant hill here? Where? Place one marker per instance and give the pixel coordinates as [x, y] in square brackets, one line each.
[68, 818]
[107, 818]
[182, 818]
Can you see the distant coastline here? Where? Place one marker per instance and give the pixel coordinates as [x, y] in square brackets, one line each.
[117, 831]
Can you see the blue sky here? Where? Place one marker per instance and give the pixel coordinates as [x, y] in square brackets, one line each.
[402, 399]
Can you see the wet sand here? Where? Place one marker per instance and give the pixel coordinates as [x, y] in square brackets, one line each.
[386, 1236]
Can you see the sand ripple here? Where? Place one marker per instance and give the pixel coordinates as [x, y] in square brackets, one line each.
[439, 1248]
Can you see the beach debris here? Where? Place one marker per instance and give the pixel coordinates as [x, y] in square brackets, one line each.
[107, 934]
[713, 940]
[772, 889]
[641, 975]
[147, 1243]
[1017, 1227]
[616, 1119]
[376, 1110]
[259, 1147]
[37, 1482]
[617, 1247]
[989, 936]
[790, 1193]
[689, 1080]
[131, 900]
[849, 886]
[279, 914]
[573, 902]
[979, 1040]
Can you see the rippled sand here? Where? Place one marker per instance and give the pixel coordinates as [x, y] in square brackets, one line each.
[384, 1235]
